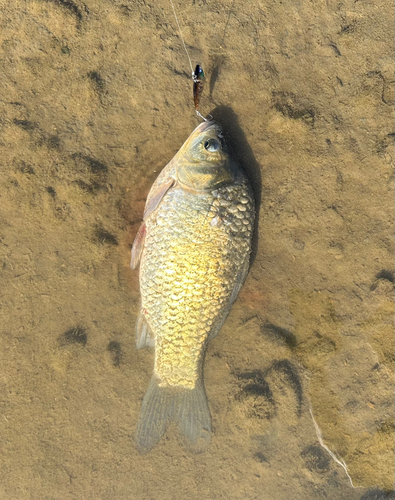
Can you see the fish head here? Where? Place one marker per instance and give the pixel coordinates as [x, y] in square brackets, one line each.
[203, 163]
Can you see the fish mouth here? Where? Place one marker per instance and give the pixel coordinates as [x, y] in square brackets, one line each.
[203, 127]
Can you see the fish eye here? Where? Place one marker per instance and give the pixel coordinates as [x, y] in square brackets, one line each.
[212, 145]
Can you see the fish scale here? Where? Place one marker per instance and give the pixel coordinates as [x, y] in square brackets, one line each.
[193, 266]
[194, 248]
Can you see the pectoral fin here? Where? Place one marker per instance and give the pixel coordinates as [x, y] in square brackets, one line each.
[241, 277]
[156, 197]
[138, 246]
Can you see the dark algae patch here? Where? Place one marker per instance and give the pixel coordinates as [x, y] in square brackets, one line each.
[53, 142]
[385, 274]
[290, 374]
[281, 333]
[93, 173]
[70, 7]
[315, 457]
[77, 335]
[256, 385]
[114, 348]
[260, 457]
[90, 187]
[25, 124]
[96, 167]
[263, 387]
[51, 191]
[292, 106]
[97, 81]
[256, 395]
[377, 494]
[26, 168]
[102, 236]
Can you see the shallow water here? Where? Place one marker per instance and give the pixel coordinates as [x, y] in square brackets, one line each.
[95, 100]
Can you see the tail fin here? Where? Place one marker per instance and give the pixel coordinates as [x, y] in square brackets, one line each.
[194, 418]
[186, 407]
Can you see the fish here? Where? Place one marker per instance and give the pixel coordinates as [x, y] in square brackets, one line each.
[193, 248]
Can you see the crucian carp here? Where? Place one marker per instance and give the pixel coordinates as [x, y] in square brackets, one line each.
[194, 249]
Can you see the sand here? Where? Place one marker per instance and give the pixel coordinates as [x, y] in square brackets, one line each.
[95, 99]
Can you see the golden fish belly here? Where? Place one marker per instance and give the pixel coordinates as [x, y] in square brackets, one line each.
[196, 247]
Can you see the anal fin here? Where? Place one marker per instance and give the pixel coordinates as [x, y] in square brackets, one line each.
[144, 335]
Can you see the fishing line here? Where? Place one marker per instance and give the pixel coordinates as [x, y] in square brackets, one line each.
[182, 38]
[197, 75]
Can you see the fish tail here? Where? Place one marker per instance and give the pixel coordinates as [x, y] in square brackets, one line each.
[154, 416]
[194, 417]
[186, 407]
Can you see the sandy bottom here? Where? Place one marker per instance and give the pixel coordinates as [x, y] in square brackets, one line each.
[95, 99]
